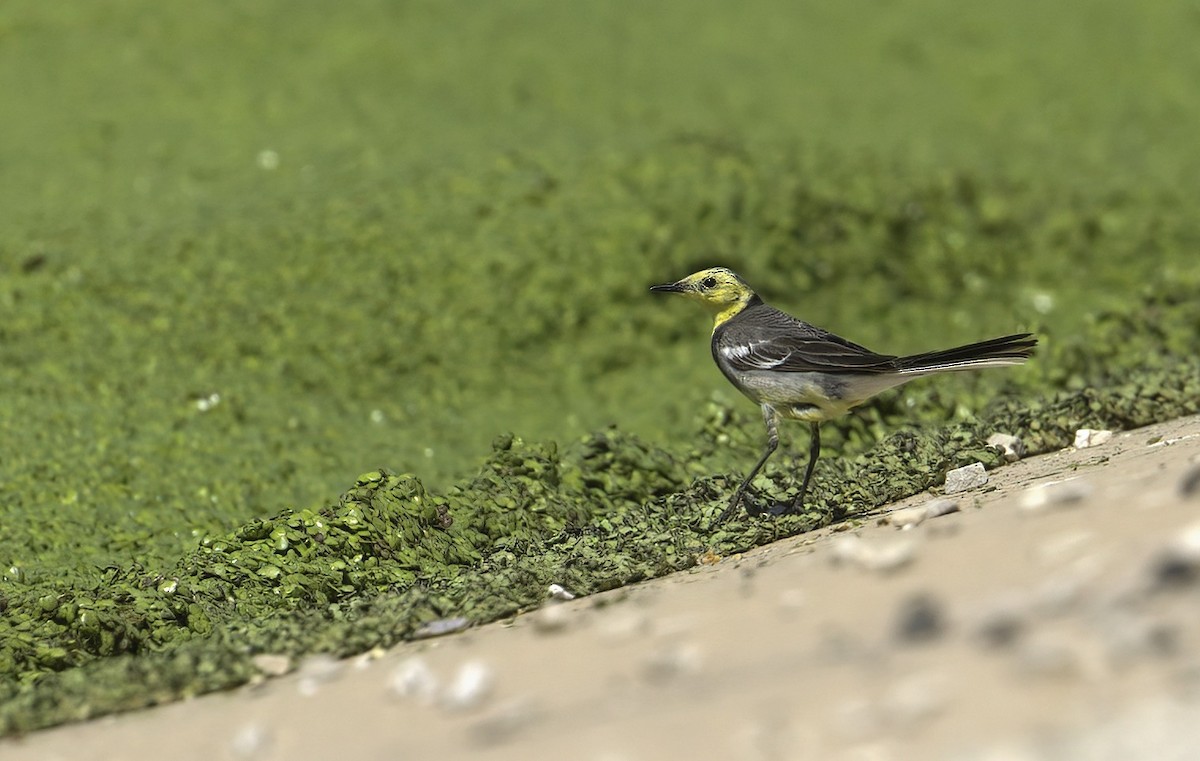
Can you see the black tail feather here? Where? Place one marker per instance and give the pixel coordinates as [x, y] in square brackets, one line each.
[1017, 347]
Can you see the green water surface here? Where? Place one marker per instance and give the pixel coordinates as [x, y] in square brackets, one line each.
[321, 321]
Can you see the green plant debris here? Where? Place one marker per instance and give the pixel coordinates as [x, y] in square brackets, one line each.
[253, 250]
[388, 557]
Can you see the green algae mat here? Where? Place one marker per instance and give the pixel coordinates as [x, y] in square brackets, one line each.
[319, 325]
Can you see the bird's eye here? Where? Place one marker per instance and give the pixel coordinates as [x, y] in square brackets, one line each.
[709, 282]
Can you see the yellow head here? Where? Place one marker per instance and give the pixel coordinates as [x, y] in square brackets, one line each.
[720, 290]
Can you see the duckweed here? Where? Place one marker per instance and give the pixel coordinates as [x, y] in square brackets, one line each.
[235, 275]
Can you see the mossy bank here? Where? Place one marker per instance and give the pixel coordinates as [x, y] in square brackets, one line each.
[255, 254]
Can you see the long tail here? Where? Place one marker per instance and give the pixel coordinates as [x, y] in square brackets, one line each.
[998, 352]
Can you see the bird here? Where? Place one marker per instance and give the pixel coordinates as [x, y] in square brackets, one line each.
[797, 371]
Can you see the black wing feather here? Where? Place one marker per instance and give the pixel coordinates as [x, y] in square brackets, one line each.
[763, 338]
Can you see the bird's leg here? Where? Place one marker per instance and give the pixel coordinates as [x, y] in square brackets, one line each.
[770, 418]
[814, 451]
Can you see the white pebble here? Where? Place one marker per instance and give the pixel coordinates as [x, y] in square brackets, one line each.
[363, 660]
[1013, 447]
[471, 687]
[316, 671]
[1187, 543]
[1056, 494]
[414, 679]
[1175, 440]
[272, 665]
[967, 477]
[792, 599]
[915, 700]
[908, 518]
[938, 507]
[551, 619]
[441, 627]
[1088, 437]
[912, 517]
[1178, 563]
[251, 741]
[889, 557]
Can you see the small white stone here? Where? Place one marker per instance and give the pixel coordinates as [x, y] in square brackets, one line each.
[1174, 440]
[792, 599]
[915, 700]
[471, 687]
[251, 741]
[1072, 491]
[1013, 447]
[1088, 437]
[912, 517]
[908, 518]
[414, 679]
[1187, 543]
[441, 627]
[272, 665]
[551, 619]
[559, 592]
[849, 549]
[1178, 563]
[967, 477]
[884, 559]
[936, 508]
[316, 671]
[364, 660]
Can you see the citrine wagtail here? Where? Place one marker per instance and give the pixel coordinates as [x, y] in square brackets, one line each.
[800, 372]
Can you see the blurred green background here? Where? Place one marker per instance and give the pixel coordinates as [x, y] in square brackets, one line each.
[249, 250]
[385, 232]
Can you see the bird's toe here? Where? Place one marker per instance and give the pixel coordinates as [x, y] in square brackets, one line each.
[781, 507]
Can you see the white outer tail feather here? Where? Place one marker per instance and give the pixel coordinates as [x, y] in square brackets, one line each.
[963, 364]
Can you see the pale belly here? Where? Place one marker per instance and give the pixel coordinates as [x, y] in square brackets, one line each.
[812, 397]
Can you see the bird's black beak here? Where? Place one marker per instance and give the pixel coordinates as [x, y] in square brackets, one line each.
[668, 288]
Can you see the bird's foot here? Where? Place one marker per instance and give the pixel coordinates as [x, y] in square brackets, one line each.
[755, 507]
[782, 507]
